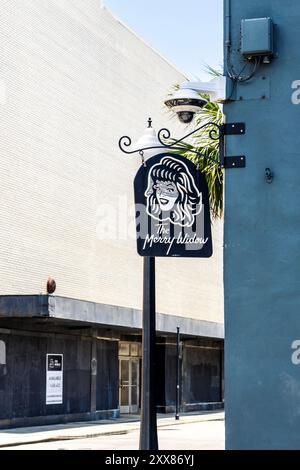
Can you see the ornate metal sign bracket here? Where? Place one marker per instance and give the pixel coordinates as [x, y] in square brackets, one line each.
[235, 128]
[216, 133]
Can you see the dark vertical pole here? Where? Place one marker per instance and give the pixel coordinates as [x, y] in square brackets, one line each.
[221, 374]
[148, 429]
[177, 374]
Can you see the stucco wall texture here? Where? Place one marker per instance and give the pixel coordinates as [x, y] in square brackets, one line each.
[262, 238]
[73, 79]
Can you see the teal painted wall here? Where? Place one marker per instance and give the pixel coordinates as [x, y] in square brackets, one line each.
[262, 242]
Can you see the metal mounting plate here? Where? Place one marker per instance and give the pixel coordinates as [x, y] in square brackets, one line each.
[234, 128]
[235, 162]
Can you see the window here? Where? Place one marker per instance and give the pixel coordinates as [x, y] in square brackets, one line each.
[124, 349]
[130, 349]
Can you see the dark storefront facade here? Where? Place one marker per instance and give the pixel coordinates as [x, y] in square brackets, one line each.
[101, 361]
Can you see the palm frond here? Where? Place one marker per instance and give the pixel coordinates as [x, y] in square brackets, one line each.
[212, 71]
[203, 144]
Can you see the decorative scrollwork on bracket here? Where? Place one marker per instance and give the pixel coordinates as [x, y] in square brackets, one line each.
[164, 134]
[163, 138]
[125, 141]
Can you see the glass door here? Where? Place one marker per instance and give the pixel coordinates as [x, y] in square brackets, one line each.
[124, 385]
[134, 396]
[129, 385]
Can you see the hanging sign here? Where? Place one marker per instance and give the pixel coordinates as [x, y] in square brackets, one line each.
[54, 379]
[172, 208]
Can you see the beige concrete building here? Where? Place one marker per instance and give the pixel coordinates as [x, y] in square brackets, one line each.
[73, 80]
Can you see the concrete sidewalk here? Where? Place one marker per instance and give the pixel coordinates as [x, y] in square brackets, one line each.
[122, 425]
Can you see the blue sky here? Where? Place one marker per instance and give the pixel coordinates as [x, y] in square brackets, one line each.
[188, 33]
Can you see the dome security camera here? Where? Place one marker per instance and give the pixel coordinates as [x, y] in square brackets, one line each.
[185, 116]
[185, 103]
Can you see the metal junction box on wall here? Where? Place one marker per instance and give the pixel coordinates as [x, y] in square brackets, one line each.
[257, 37]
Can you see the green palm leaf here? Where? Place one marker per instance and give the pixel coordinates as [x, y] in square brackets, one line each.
[202, 143]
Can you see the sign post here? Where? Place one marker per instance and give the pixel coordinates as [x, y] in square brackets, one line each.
[172, 219]
[177, 373]
[148, 429]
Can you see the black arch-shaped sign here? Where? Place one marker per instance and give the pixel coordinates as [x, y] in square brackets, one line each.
[172, 208]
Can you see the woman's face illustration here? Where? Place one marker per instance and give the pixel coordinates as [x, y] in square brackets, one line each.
[166, 193]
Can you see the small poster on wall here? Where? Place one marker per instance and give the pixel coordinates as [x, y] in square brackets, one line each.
[54, 379]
